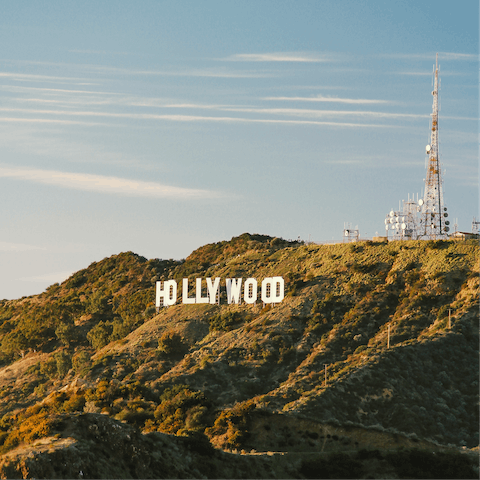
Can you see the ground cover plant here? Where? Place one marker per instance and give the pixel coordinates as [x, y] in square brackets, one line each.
[372, 337]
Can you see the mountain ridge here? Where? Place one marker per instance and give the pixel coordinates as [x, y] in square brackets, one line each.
[223, 373]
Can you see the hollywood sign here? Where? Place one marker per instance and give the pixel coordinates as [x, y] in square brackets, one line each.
[273, 291]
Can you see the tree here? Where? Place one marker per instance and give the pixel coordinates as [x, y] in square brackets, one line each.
[99, 335]
[64, 363]
[66, 333]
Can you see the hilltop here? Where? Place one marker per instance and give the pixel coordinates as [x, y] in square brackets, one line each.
[370, 359]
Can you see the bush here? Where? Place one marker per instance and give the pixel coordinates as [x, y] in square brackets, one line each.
[66, 333]
[234, 422]
[64, 363]
[224, 322]
[75, 403]
[99, 335]
[181, 409]
[81, 362]
[29, 428]
[49, 368]
[171, 343]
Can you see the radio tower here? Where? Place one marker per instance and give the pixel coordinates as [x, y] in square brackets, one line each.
[432, 210]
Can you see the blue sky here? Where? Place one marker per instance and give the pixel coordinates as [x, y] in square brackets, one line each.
[160, 126]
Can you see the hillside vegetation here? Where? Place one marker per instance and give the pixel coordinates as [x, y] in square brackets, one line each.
[373, 349]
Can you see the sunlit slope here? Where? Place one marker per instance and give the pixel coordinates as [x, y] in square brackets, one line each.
[220, 369]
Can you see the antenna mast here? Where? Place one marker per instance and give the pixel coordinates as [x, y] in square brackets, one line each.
[433, 211]
[425, 218]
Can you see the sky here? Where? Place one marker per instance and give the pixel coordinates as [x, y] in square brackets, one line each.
[160, 126]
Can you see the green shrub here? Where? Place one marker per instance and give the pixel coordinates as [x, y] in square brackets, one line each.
[99, 335]
[49, 367]
[181, 409]
[64, 363]
[225, 321]
[235, 423]
[81, 362]
[75, 403]
[171, 343]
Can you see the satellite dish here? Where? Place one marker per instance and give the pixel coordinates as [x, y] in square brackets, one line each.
[346, 233]
[392, 213]
[445, 214]
[420, 202]
[447, 229]
[447, 223]
[445, 209]
[393, 227]
[386, 221]
[386, 227]
[403, 226]
[427, 148]
[392, 220]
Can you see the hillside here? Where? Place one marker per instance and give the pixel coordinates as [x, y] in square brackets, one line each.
[249, 378]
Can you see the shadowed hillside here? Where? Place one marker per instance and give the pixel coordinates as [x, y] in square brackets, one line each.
[374, 348]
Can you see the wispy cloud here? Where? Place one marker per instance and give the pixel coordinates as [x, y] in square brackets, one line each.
[302, 112]
[103, 184]
[99, 52]
[106, 70]
[304, 57]
[298, 112]
[193, 118]
[210, 73]
[321, 98]
[18, 247]
[429, 74]
[469, 57]
[54, 121]
[18, 89]
[29, 77]
[223, 119]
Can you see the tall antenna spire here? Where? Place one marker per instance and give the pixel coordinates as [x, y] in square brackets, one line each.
[425, 218]
[433, 212]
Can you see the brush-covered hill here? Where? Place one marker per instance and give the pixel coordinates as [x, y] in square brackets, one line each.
[369, 364]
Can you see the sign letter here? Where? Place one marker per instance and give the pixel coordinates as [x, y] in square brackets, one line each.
[234, 286]
[273, 290]
[198, 292]
[250, 290]
[185, 298]
[213, 289]
[168, 294]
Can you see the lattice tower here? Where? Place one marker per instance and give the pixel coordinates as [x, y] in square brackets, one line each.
[433, 213]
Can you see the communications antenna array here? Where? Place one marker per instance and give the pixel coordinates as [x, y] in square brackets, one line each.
[475, 226]
[427, 217]
[350, 234]
[433, 213]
